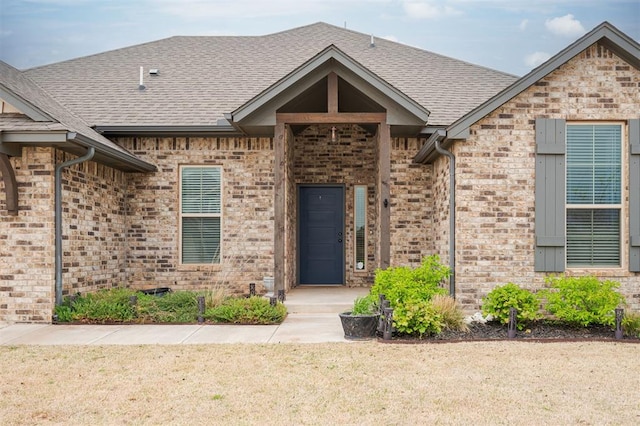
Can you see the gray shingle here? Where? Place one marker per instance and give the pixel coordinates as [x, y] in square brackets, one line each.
[22, 87]
[201, 78]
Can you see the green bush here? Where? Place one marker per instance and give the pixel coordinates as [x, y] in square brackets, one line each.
[409, 292]
[110, 305]
[582, 301]
[498, 302]
[172, 307]
[417, 317]
[631, 323]
[252, 310]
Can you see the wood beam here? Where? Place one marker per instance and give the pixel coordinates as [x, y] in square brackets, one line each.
[10, 186]
[384, 205]
[331, 118]
[332, 92]
[279, 207]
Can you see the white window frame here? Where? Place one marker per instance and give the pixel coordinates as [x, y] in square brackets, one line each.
[182, 215]
[355, 227]
[620, 206]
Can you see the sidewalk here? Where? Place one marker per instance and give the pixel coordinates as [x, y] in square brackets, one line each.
[296, 328]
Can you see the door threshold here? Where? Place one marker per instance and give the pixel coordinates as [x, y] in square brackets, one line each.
[319, 285]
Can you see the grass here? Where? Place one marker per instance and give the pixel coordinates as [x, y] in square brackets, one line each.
[313, 384]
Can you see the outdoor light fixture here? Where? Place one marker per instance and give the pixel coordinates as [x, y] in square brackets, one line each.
[385, 203]
[333, 134]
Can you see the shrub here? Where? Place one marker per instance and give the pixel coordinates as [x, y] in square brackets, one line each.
[417, 317]
[173, 307]
[450, 313]
[110, 305]
[409, 292]
[498, 302]
[631, 323]
[252, 310]
[400, 284]
[583, 301]
[365, 305]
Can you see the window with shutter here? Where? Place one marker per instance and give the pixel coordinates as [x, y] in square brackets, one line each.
[593, 194]
[200, 214]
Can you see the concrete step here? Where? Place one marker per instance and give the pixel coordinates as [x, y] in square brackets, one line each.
[322, 299]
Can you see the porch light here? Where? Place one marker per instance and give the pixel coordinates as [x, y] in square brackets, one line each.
[333, 134]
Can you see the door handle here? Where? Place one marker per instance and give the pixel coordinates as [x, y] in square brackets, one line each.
[339, 240]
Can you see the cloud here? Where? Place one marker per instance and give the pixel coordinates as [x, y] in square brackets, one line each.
[534, 59]
[523, 24]
[427, 9]
[566, 26]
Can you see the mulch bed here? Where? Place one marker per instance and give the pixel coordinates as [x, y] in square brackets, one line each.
[537, 332]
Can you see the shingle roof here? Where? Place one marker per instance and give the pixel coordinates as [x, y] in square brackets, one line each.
[201, 78]
[53, 116]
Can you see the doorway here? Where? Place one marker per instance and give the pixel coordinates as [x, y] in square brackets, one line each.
[321, 234]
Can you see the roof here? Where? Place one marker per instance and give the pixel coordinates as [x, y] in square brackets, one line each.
[42, 113]
[203, 77]
[605, 33]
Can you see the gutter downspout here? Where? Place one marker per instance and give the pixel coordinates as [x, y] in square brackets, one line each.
[452, 215]
[58, 215]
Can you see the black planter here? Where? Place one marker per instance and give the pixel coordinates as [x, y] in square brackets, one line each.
[359, 327]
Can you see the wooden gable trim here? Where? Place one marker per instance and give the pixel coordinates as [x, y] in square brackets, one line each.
[332, 118]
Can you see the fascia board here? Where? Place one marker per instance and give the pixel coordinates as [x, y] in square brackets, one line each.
[23, 106]
[128, 159]
[143, 130]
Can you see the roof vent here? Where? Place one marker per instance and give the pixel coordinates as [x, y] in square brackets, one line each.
[141, 85]
[154, 71]
[373, 42]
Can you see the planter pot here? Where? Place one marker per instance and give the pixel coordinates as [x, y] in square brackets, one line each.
[359, 327]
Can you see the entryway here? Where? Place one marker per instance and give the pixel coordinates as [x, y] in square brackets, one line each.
[321, 235]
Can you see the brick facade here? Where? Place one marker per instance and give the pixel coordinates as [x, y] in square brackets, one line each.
[93, 243]
[123, 228]
[496, 170]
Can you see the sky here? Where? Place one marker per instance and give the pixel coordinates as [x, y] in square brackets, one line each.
[513, 36]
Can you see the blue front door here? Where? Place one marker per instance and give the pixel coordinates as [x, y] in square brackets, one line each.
[321, 222]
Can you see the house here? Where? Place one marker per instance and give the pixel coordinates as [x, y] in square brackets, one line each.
[315, 156]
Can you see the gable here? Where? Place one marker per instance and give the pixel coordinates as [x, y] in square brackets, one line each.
[305, 90]
[605, 39]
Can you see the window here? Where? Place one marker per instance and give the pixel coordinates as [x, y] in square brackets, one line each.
[593, 194]
[360, 226]
[200, 213]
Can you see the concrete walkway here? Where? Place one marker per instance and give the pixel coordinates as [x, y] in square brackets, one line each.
[313, 318]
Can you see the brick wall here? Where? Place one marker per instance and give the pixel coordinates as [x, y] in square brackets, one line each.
[496, 170]
[93, 242]
[247, 214]
[94, 226]
[26, 241]
[412, 202]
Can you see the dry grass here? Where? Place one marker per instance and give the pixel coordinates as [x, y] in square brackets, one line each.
[341, 384]
[451, 312]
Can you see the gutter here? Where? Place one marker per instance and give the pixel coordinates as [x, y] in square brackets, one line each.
[126, 158]
[438, 137]
[58, 216]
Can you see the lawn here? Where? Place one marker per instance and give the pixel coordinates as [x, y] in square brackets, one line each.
[338, 384]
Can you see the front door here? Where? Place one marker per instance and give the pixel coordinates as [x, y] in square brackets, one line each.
[321, 226]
